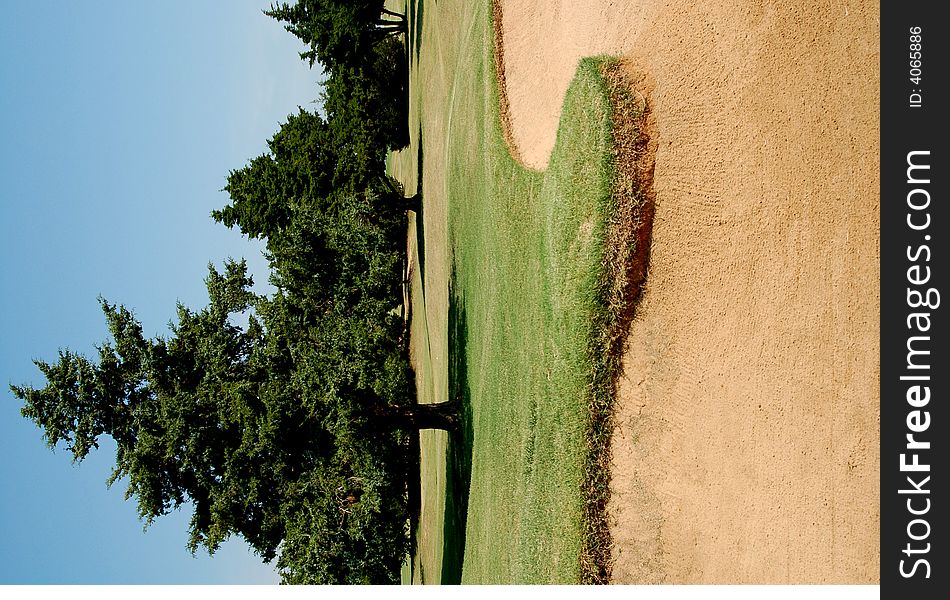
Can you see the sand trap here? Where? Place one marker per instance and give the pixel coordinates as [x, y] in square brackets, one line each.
[747, 444]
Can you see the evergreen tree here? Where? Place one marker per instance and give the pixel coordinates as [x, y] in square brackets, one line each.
[288, 432]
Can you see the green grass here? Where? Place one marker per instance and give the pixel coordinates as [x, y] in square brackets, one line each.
[515, 308]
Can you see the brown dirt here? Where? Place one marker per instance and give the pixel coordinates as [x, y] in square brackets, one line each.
[747, 438]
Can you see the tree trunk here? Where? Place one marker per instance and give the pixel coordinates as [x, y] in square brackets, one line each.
[399, 16]
[413, 203]
[441, 415]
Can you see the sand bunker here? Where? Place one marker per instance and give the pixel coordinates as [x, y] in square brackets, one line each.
[747, 440]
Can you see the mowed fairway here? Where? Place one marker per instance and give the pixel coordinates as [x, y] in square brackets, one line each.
[508, 305]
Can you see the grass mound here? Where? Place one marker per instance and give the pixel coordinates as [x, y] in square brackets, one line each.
[522, 306]
[628, 218]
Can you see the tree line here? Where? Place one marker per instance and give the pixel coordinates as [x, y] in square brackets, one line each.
[290, 430]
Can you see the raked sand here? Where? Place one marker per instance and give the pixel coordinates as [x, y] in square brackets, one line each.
[747, 438]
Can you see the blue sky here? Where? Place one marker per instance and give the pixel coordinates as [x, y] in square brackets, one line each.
[118, 126]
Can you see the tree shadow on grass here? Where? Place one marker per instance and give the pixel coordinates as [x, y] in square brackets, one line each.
[458, 459]
[419, 216]
[416, 8]
[459, 451]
